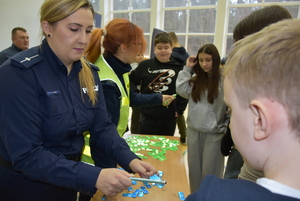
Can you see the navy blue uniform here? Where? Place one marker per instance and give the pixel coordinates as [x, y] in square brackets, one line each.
[8, 52]
[216, 189]
[43, 115]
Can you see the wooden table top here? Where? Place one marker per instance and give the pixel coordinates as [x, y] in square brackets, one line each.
[173, 168]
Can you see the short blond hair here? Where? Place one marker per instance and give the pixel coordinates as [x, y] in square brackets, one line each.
[267, 64]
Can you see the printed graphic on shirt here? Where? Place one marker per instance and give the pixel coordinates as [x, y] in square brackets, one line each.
[163, 79]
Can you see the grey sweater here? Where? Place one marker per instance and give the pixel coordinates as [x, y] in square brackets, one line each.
[203, 116]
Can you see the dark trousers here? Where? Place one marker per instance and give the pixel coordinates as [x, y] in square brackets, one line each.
[15, 186]
[154, 126]
[83, 197]
[181, 127]
[135, 120]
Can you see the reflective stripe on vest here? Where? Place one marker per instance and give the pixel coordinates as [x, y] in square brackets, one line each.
[107, 73]
[86, 153]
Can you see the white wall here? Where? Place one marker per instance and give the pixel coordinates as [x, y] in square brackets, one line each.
[23, 13]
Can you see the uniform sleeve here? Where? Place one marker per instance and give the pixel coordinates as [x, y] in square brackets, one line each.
[144, 100]
[135, 75]
[112, 99]
[183, 88]
[22, 138]
[104, 136]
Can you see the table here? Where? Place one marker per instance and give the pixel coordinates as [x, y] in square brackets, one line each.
[173, 172]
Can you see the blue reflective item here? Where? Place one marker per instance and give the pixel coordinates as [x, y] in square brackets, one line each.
[181, 195]
[160, 173]
[155, 177]
[144, 189]
[141, 193]
[159, 185]
[135, 193]
[130, 188]
[127, 195]
[147, 185]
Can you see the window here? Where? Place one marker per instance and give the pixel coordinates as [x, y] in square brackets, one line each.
[136, 11]
[195, 22]
[238, 9]
[96, 6]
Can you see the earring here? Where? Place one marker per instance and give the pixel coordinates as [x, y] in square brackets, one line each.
[48, 35]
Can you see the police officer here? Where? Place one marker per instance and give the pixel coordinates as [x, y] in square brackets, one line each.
[49, 97]
[20, 42]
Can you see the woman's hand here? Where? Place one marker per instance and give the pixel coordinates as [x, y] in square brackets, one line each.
[191, 61]
[144, 169]
[112, 181]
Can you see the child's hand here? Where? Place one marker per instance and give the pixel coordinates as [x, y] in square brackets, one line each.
[191, 61]
[167, 99]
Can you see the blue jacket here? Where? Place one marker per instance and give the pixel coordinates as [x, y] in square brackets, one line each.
[216, 189]
[43, 115]
[8, 52]
[180, 54]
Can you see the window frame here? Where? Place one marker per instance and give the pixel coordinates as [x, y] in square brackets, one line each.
[157, 12]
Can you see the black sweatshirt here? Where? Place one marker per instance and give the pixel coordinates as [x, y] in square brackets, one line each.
[157, 77]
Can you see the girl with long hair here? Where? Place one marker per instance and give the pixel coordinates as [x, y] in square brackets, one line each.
[200, 81]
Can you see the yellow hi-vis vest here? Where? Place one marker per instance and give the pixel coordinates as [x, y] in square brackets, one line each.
[86, 152]
[107, 73]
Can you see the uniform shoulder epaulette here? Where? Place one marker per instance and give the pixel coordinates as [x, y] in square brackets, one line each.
[93, 66]
[108, 82]
[26, 61]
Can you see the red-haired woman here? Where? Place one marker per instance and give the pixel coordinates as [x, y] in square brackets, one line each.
[121, 41]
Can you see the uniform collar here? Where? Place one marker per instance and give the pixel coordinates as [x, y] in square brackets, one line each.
[55, 62]
[117, 65]
[15, 47]
[172, 61]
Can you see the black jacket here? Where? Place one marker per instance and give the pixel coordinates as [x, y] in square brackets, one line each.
[157, 77]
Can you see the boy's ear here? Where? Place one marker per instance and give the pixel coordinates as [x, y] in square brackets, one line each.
[261, 120]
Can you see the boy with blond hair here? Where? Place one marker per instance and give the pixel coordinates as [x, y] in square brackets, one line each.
[261, 87]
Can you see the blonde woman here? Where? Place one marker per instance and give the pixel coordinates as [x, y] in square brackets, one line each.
[50, 96]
